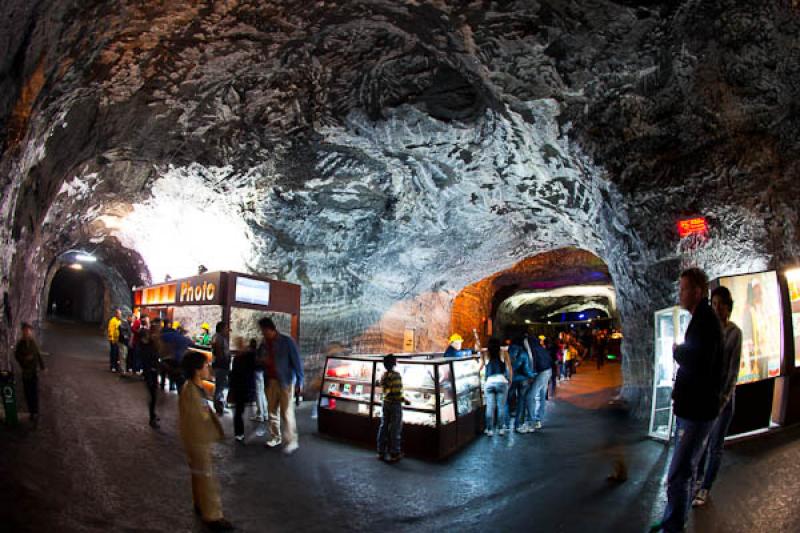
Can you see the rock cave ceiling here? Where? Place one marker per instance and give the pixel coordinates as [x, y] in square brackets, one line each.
[379, 152]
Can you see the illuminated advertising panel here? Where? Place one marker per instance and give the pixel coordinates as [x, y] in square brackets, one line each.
[757, 311]
[793, 282]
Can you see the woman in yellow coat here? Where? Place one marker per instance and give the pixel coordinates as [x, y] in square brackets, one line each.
[199, 429]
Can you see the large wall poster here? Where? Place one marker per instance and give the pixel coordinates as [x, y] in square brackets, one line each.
[757, 311]
[793, 281]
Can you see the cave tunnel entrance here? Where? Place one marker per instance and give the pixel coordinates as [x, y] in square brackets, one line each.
[566, 295]
[77, 294]
[87, 286]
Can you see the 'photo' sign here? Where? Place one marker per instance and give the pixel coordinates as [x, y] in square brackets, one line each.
[252, 291]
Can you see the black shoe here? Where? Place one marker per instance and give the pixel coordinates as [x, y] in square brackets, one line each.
[395, 457]
[219, 525]
[154, 423]
[197, 511]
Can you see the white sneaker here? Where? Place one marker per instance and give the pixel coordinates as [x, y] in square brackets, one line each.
[522, 429]
[240, 438]
[538, 425]
[489, 433]
[700, 498]
[274, 441]
[260, 432]
[502, 431]
[289, 449]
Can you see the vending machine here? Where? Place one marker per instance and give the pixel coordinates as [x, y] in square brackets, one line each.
[670, 328]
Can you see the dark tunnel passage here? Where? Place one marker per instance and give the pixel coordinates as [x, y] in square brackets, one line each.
[78, 294]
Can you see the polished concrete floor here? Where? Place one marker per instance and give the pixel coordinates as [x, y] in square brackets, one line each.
[93, 464]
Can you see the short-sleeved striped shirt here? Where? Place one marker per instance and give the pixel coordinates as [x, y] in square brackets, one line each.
[392, 385]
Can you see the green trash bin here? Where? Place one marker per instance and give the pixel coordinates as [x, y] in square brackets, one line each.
[9, 394]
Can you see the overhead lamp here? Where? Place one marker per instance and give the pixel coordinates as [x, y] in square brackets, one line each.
[76, 266]
[85, 258]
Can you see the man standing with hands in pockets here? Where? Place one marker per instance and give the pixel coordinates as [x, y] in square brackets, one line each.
[283, 374]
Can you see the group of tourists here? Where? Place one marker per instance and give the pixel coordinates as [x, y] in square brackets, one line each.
[268, 375]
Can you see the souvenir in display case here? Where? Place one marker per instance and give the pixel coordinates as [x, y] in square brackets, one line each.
[670, 329]
[444, 409]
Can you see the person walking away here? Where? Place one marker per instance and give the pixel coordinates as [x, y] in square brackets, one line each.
[521, 384]
[242, 384]
[284, 375]
[552, 347]
[261, 397]
[695, 395]
[199, 429]
[174, 346]
[537, 397]
[30, 361]
[122, 343]
[133, 351]
[148, 347]
[391, 428]
[113, 340]
[221, 350]
[498, 372]
[722, 304]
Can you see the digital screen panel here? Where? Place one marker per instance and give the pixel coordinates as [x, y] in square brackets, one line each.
[757, 312]
[252, 291]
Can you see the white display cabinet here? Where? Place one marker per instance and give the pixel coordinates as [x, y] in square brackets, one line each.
[670, 328]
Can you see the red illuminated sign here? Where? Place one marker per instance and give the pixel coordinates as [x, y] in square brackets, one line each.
[692, 226]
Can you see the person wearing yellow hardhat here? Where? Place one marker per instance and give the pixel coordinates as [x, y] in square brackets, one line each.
[204, 337]
[454, 349]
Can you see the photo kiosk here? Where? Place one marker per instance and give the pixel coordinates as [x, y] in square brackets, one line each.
[239, 299]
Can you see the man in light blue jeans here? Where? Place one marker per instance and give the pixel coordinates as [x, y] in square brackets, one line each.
[537, 397]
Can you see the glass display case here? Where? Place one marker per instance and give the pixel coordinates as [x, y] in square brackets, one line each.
[670, 328]
[444, 410]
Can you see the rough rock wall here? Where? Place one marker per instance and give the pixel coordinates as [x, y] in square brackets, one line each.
[380, 151]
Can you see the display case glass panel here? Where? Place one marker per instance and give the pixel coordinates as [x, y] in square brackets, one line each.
[419, 388]
[348, 380]
[757, 312]
[670, 329]
[468, 385]
[447, 405]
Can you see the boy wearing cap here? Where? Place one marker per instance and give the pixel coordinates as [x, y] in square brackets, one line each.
[30, 360]
[390, 432]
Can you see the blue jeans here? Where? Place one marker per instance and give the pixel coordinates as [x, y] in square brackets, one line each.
[391, 430]
[716, 441]
[495, 393]
[113, 355]
[522, 391]
[537, 397]
[690, 443]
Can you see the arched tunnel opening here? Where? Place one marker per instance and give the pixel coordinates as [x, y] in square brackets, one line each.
[565, 298]
[86, 286]
[78, 294]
